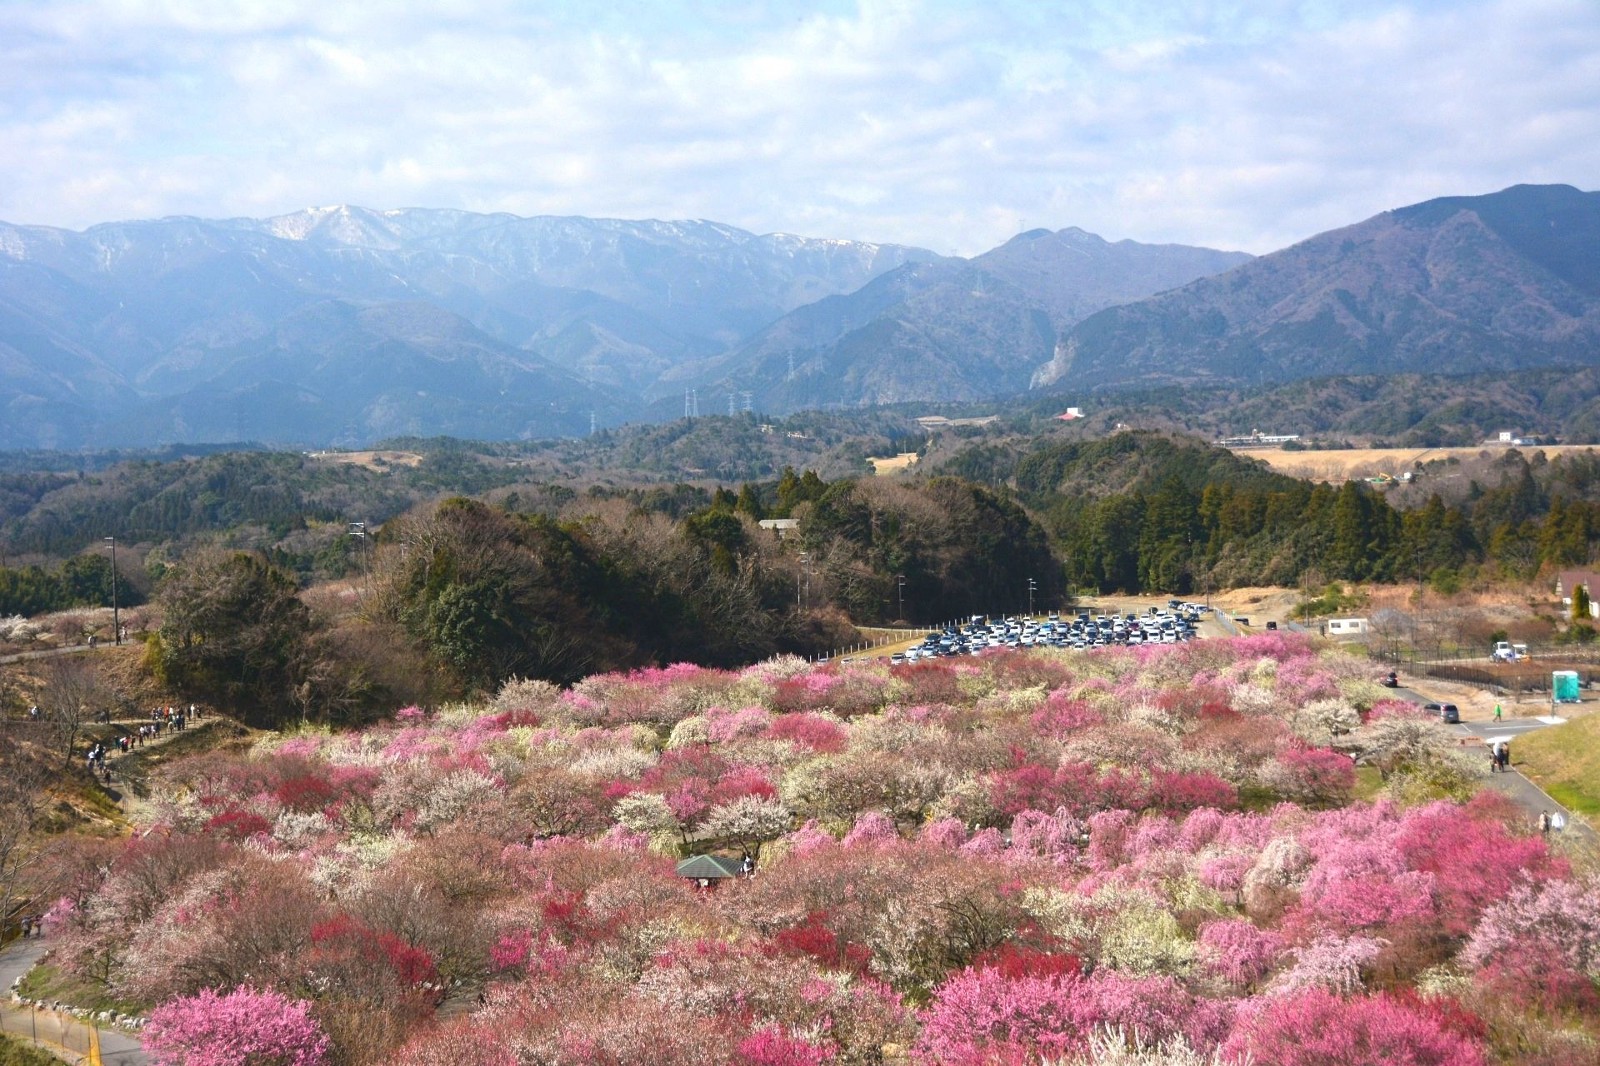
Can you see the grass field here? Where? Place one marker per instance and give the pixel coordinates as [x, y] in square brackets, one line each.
[1565, 761]
[14, 1052]
[895, 465]
[371, 460]
[1370, 462]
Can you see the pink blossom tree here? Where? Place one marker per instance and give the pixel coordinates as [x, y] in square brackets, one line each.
[1319, 1028]
[245, 1027]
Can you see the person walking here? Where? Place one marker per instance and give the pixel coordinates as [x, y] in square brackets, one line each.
[1497, 712]
[1544, 823]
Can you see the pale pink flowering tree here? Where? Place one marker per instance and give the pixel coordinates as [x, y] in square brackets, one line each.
[1331, 963]
[944, 833]
[809, 838]
[1363, 884]
[245, 1027]
[1238, 952]
[1051, 836]
[723, 726]
[1561, 916]
[871, 828]
[985, 842]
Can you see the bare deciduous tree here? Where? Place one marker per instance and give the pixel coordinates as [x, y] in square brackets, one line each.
[23, 777]
[73, 694]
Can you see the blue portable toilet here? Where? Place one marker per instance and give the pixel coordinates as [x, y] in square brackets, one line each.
[1564, 686]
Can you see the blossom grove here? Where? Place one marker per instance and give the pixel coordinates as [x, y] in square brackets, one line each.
[1032, 857]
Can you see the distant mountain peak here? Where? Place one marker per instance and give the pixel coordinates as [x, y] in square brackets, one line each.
[1459, 284]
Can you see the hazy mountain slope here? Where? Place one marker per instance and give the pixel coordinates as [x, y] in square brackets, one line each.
[158, 328]
[342, 373]
[953, 330]
[1456, 285]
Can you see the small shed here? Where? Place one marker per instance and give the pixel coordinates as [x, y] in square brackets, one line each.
[708, 868]
[1564, 686]
[1347, 628]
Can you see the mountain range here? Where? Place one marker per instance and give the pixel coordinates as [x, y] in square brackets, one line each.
[1461, 284]
[345, 325]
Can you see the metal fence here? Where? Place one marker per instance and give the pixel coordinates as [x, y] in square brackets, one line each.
[62, 1035]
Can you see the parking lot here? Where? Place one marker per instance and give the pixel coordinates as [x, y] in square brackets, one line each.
[1080, 629]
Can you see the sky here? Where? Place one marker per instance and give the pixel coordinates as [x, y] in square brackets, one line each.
[1240, 124]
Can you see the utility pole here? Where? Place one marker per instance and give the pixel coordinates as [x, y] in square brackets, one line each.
[116, 613]
[800, 582]
[900, 584]
[359, 529]
[1032, 585]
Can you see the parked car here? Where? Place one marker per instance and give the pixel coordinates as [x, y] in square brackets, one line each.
[1447, 712]
[1390, 680]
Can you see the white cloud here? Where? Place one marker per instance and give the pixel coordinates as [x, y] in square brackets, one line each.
[932, 122]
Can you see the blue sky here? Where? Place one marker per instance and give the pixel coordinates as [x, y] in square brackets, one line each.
[939, 123]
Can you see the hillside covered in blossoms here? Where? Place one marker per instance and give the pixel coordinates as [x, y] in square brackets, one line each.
[1227, 852]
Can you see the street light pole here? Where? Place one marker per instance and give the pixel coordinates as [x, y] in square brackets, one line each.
[359, 529]
[1032, 584]
[900, 585]
[116, 613]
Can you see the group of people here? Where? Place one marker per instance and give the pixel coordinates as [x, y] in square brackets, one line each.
[1499, 757]
[170, 718]
[32, 925]
[1551, 822]
[162, 719]
[98, 767]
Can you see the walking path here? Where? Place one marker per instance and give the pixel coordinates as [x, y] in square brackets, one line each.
[1534, 799]
[46, 653]
[63, 1035]
[1523, 792]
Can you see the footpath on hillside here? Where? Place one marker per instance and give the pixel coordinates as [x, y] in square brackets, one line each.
[58, 1028]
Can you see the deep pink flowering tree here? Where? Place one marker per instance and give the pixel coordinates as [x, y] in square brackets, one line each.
[982, 1010]
[771, 1047]
[987, 1014]
[1314, 775]
[1320, 1028]
[245, 1027]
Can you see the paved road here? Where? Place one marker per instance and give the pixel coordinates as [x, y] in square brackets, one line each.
[1527, 795]
[60, 1034]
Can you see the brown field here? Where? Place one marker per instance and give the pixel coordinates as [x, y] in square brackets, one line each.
[370, 460]
[895, 465]
[1370, 462]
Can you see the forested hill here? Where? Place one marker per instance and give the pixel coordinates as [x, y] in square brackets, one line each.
[1142, 510]
[1135, 462]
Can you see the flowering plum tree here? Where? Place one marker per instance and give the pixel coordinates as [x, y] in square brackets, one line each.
[244, 1027]
[1317, 1028]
